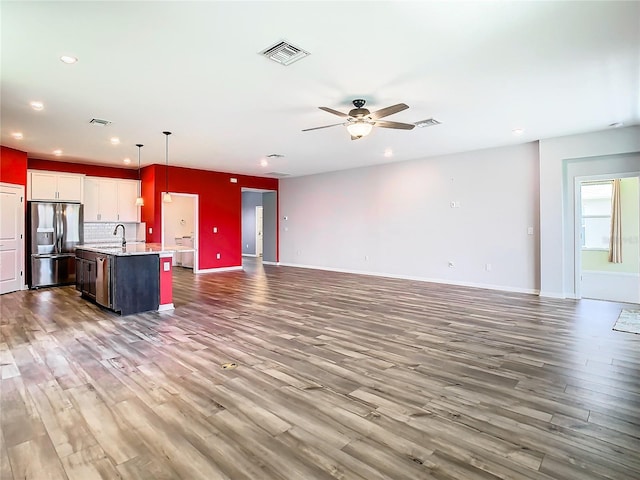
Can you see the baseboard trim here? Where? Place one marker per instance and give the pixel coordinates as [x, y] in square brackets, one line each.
[166, 307]
[270, 263]
[552, 294]
[419, 279]
[221, 269]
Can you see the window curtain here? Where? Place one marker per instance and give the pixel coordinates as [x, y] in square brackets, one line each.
[615, 239]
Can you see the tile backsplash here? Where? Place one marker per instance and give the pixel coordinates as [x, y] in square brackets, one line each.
[102, 232]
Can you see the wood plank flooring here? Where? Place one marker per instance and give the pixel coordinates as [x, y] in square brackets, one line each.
[338, 377]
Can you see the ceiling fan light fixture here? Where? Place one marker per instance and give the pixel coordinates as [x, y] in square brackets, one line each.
[360, 128]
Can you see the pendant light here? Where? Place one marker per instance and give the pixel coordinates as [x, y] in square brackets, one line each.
[166, 197]
[139, 200]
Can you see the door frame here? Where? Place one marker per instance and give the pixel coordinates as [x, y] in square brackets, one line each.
[259, 230]
[20, 189]
[196, 225]
[577, 244]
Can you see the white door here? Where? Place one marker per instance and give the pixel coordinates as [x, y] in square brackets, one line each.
[258, 231]
[11, 238]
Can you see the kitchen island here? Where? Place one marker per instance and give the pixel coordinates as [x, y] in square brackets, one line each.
[131, 279]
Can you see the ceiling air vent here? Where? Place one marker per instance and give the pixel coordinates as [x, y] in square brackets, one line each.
[429, 122]
[275, 155]
[97, 121]
[277, 174]
[284, 53]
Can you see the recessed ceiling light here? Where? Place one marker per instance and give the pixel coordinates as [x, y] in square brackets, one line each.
[264, 162]
[17, 135]
[388, 153]
[127, 161]
[37, 105]
[68, 59]
[115, 141]
[517, 131]
[57, 152]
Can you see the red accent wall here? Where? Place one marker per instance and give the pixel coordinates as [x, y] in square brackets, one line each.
[166, 281]
[220, 201]
[220, 205]
[13, 166]
[90, 170]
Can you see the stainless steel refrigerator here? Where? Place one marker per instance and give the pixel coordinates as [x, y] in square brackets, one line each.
[55, 229]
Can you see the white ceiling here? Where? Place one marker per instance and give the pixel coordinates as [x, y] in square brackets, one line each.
[482, 68]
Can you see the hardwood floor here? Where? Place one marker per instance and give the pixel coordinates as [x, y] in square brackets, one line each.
[338, 377]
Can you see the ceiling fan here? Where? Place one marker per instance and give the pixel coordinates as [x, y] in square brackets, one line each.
[360, 120]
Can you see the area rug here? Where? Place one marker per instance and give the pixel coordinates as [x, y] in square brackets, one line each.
[628, 321]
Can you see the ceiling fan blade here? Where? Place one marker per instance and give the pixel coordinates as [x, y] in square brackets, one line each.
[326, 126]
[401, 126]
[335, 112]
[389, 111]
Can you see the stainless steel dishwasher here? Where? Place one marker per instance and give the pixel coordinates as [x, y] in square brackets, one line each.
[103, 280]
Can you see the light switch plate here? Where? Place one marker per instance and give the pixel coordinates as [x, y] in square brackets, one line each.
[150, 230]
[166, 266]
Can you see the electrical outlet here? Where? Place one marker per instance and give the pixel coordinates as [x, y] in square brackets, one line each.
[166, 266]
[530, 231]
[215, 229]
[150, 230]
[451, 264]
[487, 267]
[218, 256]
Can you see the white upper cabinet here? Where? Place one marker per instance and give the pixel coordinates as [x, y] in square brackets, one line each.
[110, 200]
[55, 186]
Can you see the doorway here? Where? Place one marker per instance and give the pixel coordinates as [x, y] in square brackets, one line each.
[599, 276]
[12, 239]
[180, 228]
[260, 224]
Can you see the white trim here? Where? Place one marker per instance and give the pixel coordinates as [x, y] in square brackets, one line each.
[23, 227]
[270, 263]
[554, 295]
[165, 307]
[419, 279]
[249, 255]
[221, 269]
[617, 274]
[196, 225]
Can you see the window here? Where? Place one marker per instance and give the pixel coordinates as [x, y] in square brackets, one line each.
[596, 215]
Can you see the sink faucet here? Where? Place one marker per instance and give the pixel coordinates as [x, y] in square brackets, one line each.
[115, 232]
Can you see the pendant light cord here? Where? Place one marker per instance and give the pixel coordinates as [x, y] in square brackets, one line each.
[166, 176]
[139, 145]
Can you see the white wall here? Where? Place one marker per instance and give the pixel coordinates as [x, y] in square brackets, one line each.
[396, 219]
[556, 241]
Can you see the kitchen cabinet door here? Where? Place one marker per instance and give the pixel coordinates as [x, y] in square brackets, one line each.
[100, 200]
[127, 193]
[108, 200]
[44, 186]
[70, 188]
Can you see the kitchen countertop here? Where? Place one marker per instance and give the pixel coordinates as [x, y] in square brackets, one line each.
[134, 248]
